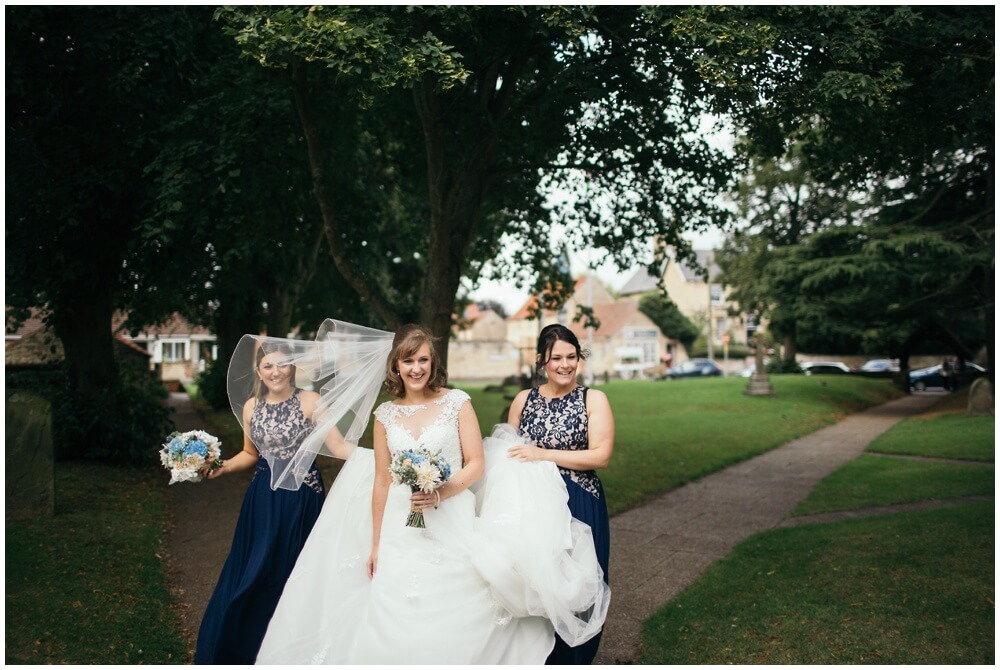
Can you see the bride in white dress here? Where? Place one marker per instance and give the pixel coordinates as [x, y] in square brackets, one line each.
[500, 566]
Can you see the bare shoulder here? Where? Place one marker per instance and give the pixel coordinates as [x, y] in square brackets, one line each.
[597, 399]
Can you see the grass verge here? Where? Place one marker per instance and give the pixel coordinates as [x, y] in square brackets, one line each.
[911, 588]
[872, 481]
[671, 432]
[87, 585]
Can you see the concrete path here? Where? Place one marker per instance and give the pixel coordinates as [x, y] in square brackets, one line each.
[662, 547]
[656, 550]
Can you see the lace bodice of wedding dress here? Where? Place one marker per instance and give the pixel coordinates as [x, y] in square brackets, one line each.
[433, 425]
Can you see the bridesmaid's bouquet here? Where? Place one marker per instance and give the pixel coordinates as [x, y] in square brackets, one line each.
[421, 471]
[185, 454]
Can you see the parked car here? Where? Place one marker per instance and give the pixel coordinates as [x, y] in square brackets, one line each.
[880, 365]
[825, 368]
[931, 377]
[695, 367]
[747, 371]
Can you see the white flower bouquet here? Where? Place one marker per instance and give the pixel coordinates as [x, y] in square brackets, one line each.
[186, 454]
[421, 471]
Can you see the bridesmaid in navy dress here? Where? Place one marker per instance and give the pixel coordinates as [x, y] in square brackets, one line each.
[273, 524]
[573, 427]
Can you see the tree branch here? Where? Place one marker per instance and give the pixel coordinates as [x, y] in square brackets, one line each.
[331, 223]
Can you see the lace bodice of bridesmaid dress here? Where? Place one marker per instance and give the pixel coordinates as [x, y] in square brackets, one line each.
[433, 426]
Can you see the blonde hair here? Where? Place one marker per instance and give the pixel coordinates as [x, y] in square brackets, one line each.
[406, 343]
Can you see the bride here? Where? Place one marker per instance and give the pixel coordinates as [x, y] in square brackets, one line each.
[500, 566]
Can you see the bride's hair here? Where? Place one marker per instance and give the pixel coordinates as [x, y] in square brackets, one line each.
[406, 343]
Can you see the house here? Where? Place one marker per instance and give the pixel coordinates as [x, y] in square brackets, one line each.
[704, 301]
[178, 350]
[626, 343]
[33, 345]
[480, 348]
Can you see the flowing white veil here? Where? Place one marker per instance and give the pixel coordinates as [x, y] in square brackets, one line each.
[345, 364]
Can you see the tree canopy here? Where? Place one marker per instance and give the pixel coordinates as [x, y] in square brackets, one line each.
[471, 118]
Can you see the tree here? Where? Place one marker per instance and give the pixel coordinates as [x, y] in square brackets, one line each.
[87, 91]
[472, 110]
[900, 96]
[779, 204]
[664, 313]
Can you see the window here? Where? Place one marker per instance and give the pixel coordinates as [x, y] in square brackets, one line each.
[715, 290]
[720, 328]
[172, 352]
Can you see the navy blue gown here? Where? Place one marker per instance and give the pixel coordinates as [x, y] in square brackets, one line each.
[271, 530]
[561, 423]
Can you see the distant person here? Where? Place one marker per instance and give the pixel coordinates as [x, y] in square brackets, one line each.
[573, 427]
[273, 524]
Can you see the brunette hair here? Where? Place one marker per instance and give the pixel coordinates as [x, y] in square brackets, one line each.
[547, 339]
[265, 348]
[406, 343]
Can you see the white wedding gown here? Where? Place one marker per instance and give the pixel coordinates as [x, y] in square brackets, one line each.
[493, 575]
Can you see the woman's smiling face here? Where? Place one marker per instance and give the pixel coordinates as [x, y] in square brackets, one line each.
[415, 370]
[275, 372]
[562, 363]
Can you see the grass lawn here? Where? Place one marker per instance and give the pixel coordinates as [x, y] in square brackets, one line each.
[88, 585]
[911, 588]
[871, 481]
[671, 432]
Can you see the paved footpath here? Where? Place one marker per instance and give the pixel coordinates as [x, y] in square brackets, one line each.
[656, 550]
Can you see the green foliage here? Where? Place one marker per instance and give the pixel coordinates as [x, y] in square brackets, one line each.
[88, 585]
[783, 366]
[125, 425]
[489, 106]
[664, 313]
[912, 588]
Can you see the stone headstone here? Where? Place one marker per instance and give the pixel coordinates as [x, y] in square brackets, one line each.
[29, 458]
[981, 398]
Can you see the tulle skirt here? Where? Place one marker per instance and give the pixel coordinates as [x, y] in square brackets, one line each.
[496, 572]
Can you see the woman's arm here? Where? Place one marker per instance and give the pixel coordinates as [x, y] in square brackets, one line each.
[601, 437]
[516, 408]
[380, 491]
[334, 441]
[248, 457]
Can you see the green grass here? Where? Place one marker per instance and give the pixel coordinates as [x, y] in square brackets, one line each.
[871, 481]
[88, 584]
[942, 435]
[911, 588]
[669, 433]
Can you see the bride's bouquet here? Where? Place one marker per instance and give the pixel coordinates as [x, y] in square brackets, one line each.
[421, 471]
[185, 454]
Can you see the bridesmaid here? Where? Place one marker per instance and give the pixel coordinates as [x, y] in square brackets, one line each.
[273, 524]
[573, 427]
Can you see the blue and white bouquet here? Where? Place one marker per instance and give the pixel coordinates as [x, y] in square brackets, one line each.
[421, 471]
[186, 454]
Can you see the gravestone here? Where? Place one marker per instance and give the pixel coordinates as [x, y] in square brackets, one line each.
[759, 383]
[981, 398]
[29, 461]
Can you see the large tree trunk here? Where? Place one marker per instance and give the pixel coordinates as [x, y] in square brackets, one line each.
[85, 331]
[789, 345]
